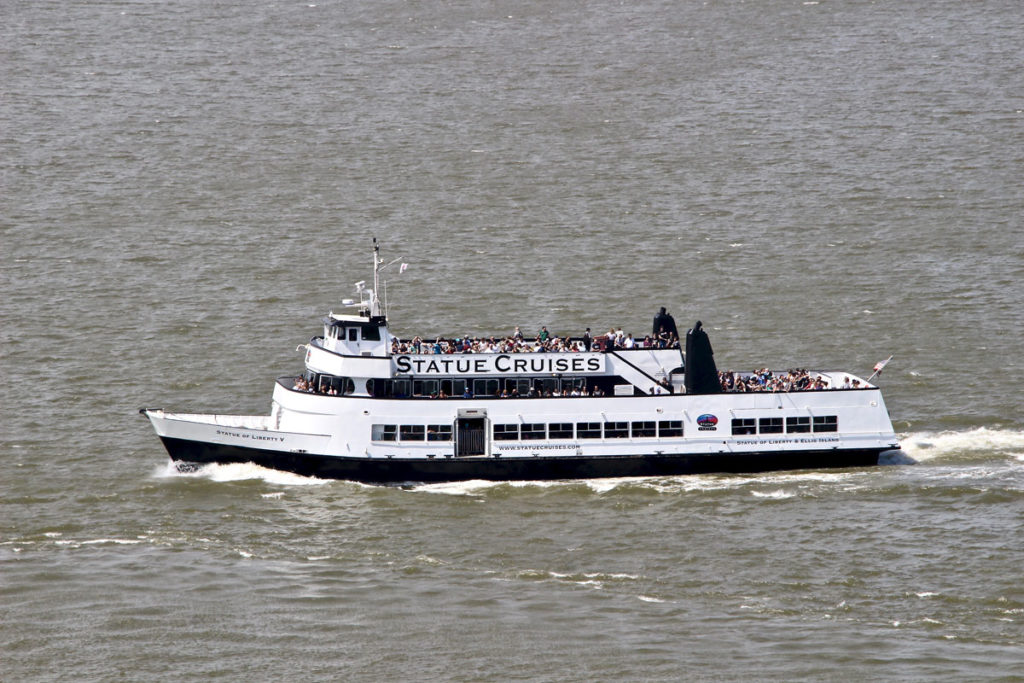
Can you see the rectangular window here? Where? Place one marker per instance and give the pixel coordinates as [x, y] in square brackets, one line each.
[521, 387]
[439, 432]
[384, 432]
[744, 425]
[826, 423]
[412, 432]
[643, 430]
[771, 425]
[424, 387]
[670, 428]
[560, 430]
[588, 430]
[485, 387]
[546, 387]
[506, 432]
[533, 432]
[798, 424]
[371, 334]
[401, 388]
[453, 387]
[616, 430]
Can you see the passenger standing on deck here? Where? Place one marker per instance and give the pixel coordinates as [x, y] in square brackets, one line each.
[587, 340]
[544, 334]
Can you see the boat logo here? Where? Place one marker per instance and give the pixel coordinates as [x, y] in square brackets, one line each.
[707, 422]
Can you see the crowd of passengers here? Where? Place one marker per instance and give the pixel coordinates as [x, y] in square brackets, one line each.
[792, 380]
[543, 342]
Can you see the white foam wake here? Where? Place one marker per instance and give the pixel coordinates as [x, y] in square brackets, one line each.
[931, 445]
[238, 472]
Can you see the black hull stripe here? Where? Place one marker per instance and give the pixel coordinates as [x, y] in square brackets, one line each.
[397, 470]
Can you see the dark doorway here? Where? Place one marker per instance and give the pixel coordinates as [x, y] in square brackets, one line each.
[471, 436]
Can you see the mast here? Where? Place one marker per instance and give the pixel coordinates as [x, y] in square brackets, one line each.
[377, 261]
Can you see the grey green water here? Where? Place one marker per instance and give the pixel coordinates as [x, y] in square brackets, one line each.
[186, 187]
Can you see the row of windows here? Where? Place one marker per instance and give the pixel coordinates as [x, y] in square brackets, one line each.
[537, 431]
[588, 430]
[776, 425]
[412, 432]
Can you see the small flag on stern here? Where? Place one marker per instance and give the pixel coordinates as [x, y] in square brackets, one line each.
[878, 367]
[401, 268]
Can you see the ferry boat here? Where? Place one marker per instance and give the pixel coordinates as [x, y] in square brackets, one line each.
[373, 408]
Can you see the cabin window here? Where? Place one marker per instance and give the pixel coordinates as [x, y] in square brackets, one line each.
[771, 425]
[826, 423]
[588, 430]
[424, 387]
[412, 432]
[384, 432]
[616, 430]
[520, 386]
[644, 430]
[506, 432]
[485, 387]
[547, 386]
[560, 430]
[439, 432]
[401, 388]
[744, 425]
[353, 334]
[533, 432]
[670, 428]
[453, 387]
[371, 334]
[798, 424]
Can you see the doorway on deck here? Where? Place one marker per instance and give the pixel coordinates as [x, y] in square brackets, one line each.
[470, 436]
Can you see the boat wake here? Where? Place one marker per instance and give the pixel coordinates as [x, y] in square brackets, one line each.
[234, 472]
[981, 442]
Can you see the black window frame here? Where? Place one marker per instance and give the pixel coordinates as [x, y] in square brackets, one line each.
[589, 430]
[385, 432]
[412, 432]
[557, 430]
[533, 431]
[439, 432]
[798, 424]
[668, 429]
[648, 429]
[825, 423]
[744, 425]
[616, 430]
[503, 435]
